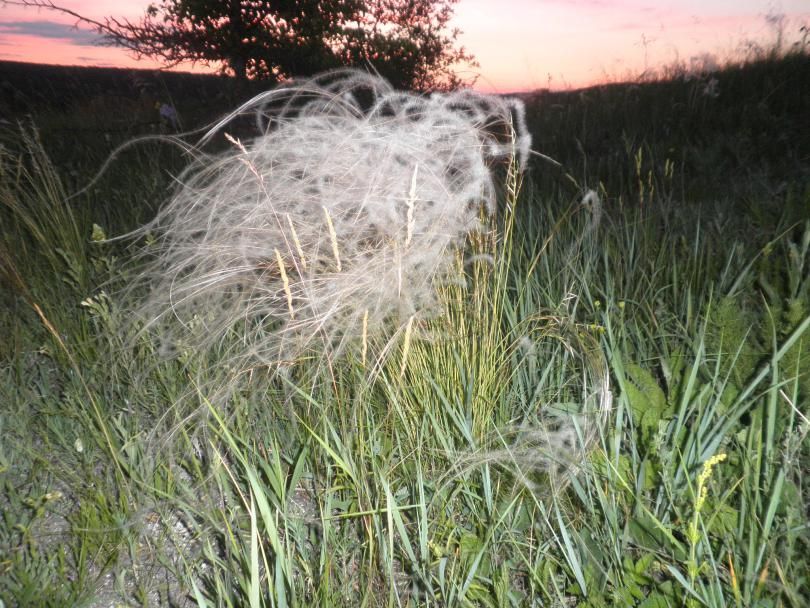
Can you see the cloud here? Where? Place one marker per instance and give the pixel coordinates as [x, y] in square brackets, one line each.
[50, 30]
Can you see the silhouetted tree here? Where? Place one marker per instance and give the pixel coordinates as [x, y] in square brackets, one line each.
[407, 41]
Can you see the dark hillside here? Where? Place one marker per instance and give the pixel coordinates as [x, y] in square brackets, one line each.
[111, 98]
[746, 125]
[28, 87]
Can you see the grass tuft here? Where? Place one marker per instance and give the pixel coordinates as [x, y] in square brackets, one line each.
[595, 397]
[346, 212]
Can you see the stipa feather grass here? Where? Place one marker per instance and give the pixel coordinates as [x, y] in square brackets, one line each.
[335, 225]
[340, 227]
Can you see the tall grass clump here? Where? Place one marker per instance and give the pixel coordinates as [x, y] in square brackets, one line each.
[333, 226]
[364, 236]
[43, 237]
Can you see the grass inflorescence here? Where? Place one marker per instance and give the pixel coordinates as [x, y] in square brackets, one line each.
[341, 217]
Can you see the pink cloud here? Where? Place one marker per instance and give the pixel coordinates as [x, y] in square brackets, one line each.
[48, 36]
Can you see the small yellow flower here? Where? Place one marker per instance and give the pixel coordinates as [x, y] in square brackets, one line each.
[98, 234]
[703, 478]
[708, 466]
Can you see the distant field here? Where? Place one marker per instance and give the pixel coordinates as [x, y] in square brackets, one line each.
[32, 88]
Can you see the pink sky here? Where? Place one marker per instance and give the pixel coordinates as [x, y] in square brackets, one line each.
[520, 44]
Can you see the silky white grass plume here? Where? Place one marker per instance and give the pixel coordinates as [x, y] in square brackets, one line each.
[337, 222]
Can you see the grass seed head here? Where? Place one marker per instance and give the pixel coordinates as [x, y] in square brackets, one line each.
[335, 223]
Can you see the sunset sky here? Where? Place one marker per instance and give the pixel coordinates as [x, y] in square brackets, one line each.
[520, 44]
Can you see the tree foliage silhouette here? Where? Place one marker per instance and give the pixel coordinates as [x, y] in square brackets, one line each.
[409, 42]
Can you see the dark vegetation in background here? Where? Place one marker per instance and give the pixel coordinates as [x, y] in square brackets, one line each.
[70, 93]
[727, 132]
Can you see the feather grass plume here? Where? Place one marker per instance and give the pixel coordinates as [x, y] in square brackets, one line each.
[339, 229]
[336, 223]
